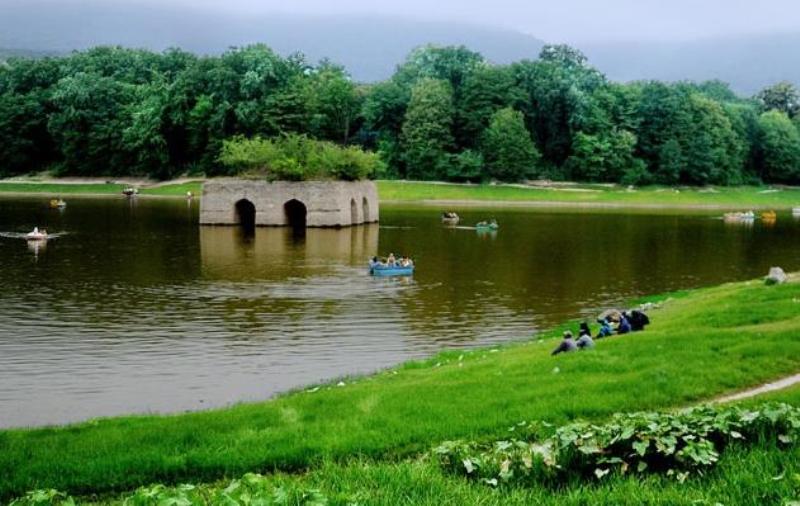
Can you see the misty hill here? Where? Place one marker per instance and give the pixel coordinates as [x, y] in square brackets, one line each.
[371, 46]
[748, 63]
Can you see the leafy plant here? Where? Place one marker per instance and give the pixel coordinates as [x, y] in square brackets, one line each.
[45, 498]
[677, 444]
[296, 158]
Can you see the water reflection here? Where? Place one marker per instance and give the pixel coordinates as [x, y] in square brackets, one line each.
[137, 308]
[36, 246]
[231, 253]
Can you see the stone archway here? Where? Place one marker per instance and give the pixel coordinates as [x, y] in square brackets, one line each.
[246, 214]
[365, 210]
[295, 213]
[353, 212]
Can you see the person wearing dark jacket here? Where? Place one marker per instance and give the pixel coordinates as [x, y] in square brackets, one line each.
[567, 344]
[638, 320]
[624, 325]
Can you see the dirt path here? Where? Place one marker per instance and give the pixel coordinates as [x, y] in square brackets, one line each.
[759, 390]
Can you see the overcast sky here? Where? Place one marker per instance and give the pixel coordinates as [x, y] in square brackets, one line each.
[560, 20]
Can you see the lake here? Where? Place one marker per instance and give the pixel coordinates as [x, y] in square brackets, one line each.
[134, 308]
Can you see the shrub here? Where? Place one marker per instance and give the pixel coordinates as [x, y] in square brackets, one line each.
[677, 444]
[297, 158]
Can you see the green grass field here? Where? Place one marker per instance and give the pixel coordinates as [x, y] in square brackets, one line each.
[701, 344]
[739, 197]
[733, 197]
[61, 189]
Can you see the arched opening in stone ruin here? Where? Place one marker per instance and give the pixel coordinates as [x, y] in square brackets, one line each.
[353, 212]
[295, 212]
[246, 214]
[365, 209]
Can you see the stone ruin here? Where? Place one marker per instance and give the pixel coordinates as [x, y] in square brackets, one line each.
[298, 204]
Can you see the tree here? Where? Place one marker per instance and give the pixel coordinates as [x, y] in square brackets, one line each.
[779, 148]
[25, 144]
[485, 91]
[782, 97]
[335, 102]
[604, 157]
[427, 135]
[465, 166]
[507, 148]
[88, 124]
[450, 63]
[714, 152]
[144, 138]
[558, 91]
[670, 162]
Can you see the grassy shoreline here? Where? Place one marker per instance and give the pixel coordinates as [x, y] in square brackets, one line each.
[443, 194]
[701, 344]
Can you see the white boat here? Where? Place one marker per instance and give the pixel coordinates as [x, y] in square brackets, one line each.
[796, 211]
[36, 235]
[450, 218]
[748, 216]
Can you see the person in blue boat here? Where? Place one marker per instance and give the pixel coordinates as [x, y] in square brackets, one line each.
[391, 261]
[567, 344]
[605, 328]
[623, 327]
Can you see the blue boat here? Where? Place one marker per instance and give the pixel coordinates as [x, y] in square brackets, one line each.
[387, 270]
[487, 226]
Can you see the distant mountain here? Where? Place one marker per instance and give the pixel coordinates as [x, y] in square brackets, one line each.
[370, 47]
[6, 53]
[748, 63]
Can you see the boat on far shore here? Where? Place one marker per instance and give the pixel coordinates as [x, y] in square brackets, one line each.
[57, 204]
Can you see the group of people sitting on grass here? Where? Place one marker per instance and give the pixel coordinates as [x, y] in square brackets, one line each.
[391, 261]
[632, 321]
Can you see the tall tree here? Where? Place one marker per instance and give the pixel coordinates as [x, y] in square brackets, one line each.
[508, 151]
[779, 148]
[604, 157]
[335, 102]
[484, 92]
[427, 130]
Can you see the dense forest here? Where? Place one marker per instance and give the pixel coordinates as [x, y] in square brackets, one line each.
[445, 114]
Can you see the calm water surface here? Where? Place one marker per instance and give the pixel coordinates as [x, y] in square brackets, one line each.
[138, 309]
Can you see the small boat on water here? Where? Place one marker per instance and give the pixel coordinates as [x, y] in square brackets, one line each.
[450, 218]
[769, 216]
[378, 268]
[739, 216]
[130, 191]
[57, 204]
[487, 225]
[796, 211]
[36, 235]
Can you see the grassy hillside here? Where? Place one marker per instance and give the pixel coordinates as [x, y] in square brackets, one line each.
[701, 344]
